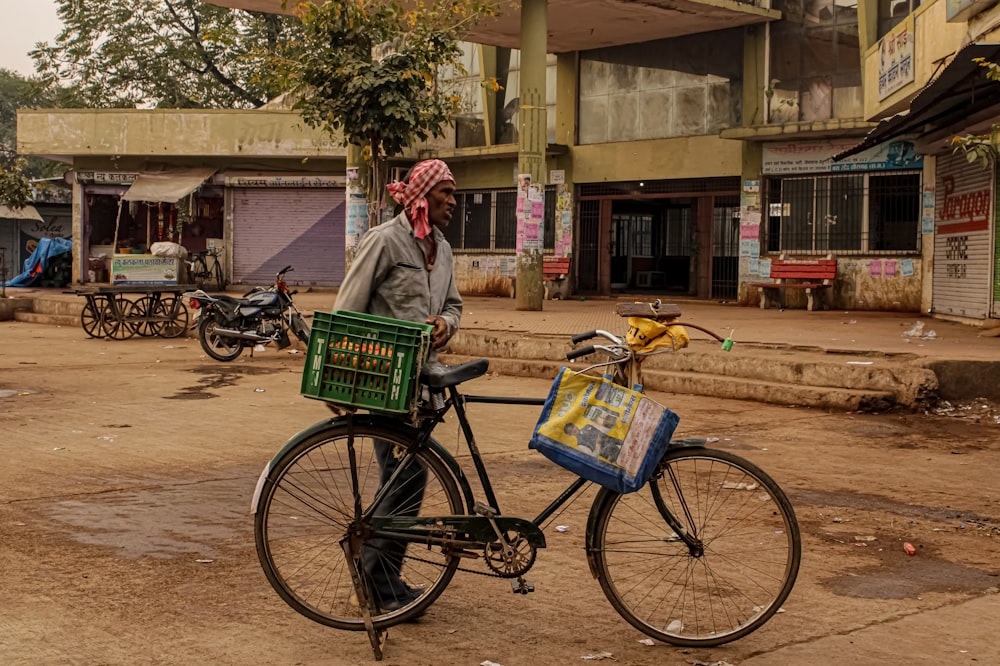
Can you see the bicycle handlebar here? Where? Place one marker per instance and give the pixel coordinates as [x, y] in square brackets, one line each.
[580, 351]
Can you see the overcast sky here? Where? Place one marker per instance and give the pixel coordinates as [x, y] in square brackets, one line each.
[22, 24]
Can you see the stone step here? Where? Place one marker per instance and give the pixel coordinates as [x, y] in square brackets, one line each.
[49, 319]
[867, 381]
[61, 304]
[718, 386]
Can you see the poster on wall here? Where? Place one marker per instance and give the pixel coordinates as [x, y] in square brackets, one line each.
[34, 230]
[563, 221]
[530, 215]
[356, 219]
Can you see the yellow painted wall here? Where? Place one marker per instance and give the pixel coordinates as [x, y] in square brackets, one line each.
[935, 39]
[171, 132]
[684, 157]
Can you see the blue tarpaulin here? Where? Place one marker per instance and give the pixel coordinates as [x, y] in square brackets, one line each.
[35, 265]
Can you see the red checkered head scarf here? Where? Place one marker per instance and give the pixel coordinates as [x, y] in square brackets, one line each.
[412, 194]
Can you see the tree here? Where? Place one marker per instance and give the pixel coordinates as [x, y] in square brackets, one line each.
[16, 172]
[984, 148]
[373, 73]
[164, 53]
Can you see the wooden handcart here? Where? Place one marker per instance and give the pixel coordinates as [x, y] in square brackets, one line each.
[122, 311]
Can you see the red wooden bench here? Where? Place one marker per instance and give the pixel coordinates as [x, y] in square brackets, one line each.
[815, 276]
[555, 271]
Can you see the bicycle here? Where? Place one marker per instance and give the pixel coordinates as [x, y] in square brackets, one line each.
[705, 553]
[202, 273]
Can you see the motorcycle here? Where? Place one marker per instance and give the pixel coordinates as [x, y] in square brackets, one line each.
[226, 325]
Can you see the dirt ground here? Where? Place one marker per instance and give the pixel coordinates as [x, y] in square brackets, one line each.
[126, 538]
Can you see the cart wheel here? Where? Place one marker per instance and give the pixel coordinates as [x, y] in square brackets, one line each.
[92, 319]
[175, 317]
[116, 326]
[140, 315]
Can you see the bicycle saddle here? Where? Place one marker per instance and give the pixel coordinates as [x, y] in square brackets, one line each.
[440, 376]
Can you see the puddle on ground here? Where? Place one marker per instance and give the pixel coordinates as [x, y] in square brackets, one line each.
[913, 577]
[871, 502]
[216, 377]
[190, 519]
[903, 577]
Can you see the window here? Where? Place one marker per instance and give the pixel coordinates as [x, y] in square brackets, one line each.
[486, 220]
[815, 62]
[892, 12]
[853, 213]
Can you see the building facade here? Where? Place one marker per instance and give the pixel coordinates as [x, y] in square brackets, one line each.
[678, 165]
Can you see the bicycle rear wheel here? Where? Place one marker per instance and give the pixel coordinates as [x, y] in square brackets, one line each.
[736, 576]
[307, 507]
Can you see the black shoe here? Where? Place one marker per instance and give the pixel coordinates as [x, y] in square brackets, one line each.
[400, 598]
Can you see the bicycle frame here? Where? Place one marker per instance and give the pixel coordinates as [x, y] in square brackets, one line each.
[486, 522]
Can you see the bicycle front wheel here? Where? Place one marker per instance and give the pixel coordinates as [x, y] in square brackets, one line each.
[738, 569]
[308, 507]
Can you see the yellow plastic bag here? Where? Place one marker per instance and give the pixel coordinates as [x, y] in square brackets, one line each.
[646, 335]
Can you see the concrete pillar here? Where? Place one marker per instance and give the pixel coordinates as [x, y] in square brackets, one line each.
[567, 65]
[80, 241]
[531, 154]
[753, 217]
[357, 208]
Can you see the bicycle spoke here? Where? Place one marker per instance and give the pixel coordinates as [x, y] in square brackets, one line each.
[323, 493]
[737, 572]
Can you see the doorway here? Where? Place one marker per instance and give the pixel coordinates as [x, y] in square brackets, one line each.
[651, 245]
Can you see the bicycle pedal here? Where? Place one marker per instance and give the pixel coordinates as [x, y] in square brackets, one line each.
[521, 586]
[482, 509]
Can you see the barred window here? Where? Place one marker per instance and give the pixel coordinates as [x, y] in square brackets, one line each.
[486, 220]
[853, 213]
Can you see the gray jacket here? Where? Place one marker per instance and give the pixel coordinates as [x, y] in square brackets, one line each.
[389, 277]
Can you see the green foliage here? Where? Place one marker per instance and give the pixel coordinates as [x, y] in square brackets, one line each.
[15, 190]
[983, 148]
[370, 71]
[18, 92]
[163, 53]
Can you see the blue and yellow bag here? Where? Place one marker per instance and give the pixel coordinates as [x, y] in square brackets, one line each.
[606, 433]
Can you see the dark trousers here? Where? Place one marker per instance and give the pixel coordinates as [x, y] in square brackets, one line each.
[383, 558]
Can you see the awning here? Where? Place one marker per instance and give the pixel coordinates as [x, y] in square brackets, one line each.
[26, 213]
[961, 91]
[167, 186]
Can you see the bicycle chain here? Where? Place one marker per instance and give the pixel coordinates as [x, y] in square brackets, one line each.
[488, 574]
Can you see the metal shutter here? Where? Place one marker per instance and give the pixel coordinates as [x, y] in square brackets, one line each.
[963, 216]
[996, 252]
[9, 238]
[274, 228]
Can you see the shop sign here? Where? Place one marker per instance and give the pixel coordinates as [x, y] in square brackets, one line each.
[105, 177]
[275, 181]
[144, 270]
[34, 230]
[817, 157]
[895, 58]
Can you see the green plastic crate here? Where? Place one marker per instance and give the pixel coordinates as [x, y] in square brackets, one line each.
[364, 360]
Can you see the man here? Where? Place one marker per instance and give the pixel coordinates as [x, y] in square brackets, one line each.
[404, 269]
